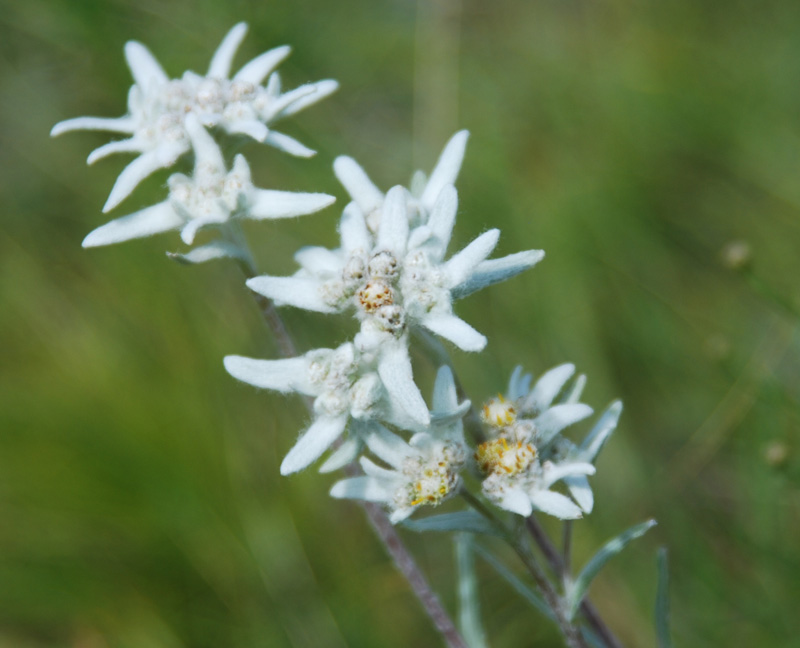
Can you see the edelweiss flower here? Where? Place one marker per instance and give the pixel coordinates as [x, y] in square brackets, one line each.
[423, 471]
[211, 196]
[526, 454]
[158, 107]
[423, 191]
[397, 277]
[346, 384]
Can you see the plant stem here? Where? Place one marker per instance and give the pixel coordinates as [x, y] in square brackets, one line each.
[379, 521]
[558, 566]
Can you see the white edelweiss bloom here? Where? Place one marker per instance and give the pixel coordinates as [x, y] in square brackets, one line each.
[158, 107]
[422, 471]
[347, 385]
[394, 279]
[211, 196]
[423, 191]
[526, 453]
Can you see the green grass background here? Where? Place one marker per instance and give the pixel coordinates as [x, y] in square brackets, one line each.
[140, 501]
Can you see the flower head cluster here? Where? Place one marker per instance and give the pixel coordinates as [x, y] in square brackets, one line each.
[526, 454]
[159, 108]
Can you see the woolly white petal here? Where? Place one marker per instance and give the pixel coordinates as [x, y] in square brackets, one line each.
[250, 127]
[400, 514]
[393, 228]
[288, 145]
[394, 369]
[112, 124]
[444, 391]
[353, 230]
[131, 145]
[269, 203]
[494, 271]
[163, 156]
[461, 265]
[319, 90]
[343, 455]
[447, 168]
[220, 66]
[547, 387]
[599, 434]
[555, 419]
[274, 109]
[516, 501]
[357, 183]
[363, 488]
[151, 220]
[555, 504]
[388, 446]
[378, 472]
[313, 442]
[456, 330]
[285, 376]
[145, 69]
[443, 217]
[207, 154]
[579, 488]
[318, 260]
[557, 472]
[256, 71]
[300, 292]
[191, 228]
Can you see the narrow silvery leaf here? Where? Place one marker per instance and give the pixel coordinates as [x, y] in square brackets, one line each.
[601, 432]
[269, 203]
[313, 442]
[256, 71]
[581, 492]
[470, 521]
[556, 418]
[210, 252]
[287, 375]
[577, 588]
[320, 90]
[394, 369]
[573, 394]
[250, 127]
[300, 292]
[222, 60]
[387, 446]
[318, 260]
[393, 228]
[357, 183]
[521, 588]
[353, 230]
[363, 488]
[557, 472]
[288, 145]
[111, 124]
[271, 112]
[458, 268]
[346, 453]
[151, 220]
[456, 330]
[444, 390]
[451, 416]
[378, 472]
[547, 388]
[663, 636]
[555, 504]
[144, 165]
[493, 271]
[469, 611]
[273, 87]
[191, 228]
[145, 69]
[131, 145]
[517, 501]
[418, 182]
[418, 236]
[443, 217]
[446, 170]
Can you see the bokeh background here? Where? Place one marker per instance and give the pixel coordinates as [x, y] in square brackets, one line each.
[634, 141]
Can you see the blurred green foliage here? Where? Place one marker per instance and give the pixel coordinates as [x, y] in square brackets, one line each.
[632, 140]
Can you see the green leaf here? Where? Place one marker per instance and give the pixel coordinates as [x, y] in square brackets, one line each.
[521, 588]
[662, 601]
[469, 612]
[209, 252]
[470, 521]
[576, 590]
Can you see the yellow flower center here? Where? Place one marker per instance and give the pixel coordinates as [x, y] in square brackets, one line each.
[500, 457]
[498, 412]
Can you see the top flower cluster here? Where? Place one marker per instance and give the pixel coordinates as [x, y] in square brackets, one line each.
[391, 270]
